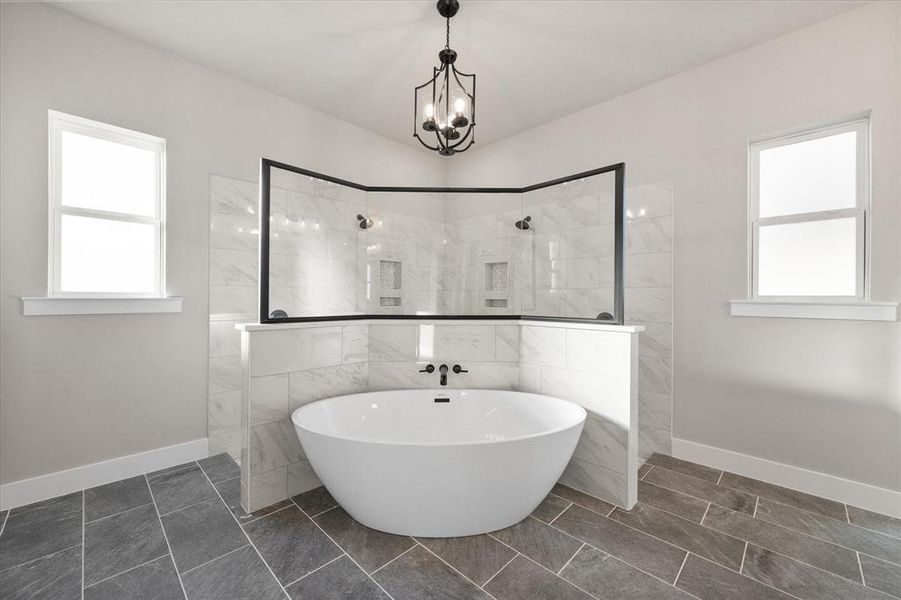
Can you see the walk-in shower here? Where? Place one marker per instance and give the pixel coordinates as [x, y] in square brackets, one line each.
[333, 249]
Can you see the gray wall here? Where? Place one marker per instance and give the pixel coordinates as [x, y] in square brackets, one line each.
[80, 389]
[824, 395]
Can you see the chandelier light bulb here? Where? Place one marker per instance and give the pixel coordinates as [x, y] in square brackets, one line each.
[429, 111]
[459, 106]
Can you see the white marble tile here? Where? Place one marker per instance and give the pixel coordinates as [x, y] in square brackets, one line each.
[342, 244]
[529, 379]
[226, 440]
[649, 304]
[569, 214]
[457, 343]
[653, 270]
[267, 488]
[268, 399]
[584, 303]
[598, 482]
[649, 235]
[655, 374]
[274, 445]
[393, 342]
[543, 346]
[399, 376]
[330, 213]
[584, 242]
[224, 339]
[603, 443]
[287, 350]
[655, 410]
[506, 343]
[652, 439]
[232, 196]
[485, 375]
[355, 343]
[301, 478]
[327, 382]
[656, 340]
[540, 301]
[598, 351]
[234, 232]
[224, 410]
[607, 395]
[226, 374]
[582, 272]
[421, 278]
[233, 267]
[234, 302]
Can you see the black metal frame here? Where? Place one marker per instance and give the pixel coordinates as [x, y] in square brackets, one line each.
[619, 170]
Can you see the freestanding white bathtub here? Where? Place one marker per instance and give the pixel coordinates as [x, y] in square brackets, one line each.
[439, 463]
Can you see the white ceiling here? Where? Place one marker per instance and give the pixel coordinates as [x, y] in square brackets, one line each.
[535, 60]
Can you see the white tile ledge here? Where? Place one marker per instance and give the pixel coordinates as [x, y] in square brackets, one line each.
[851, 311]
[427, 321]
[46, 305]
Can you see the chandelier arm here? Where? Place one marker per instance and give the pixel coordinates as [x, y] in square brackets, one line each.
[435, 148]
[462, 138]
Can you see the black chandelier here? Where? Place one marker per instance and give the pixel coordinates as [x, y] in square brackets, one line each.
[448, 104]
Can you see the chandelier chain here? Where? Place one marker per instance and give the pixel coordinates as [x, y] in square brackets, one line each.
[447, 41]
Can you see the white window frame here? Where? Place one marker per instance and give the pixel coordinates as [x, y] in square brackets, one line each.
[860, 212]
[58, 123]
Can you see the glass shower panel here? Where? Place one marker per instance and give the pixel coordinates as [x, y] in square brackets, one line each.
[568, 251]
[315, 247]
[481, 254]
[401, 264]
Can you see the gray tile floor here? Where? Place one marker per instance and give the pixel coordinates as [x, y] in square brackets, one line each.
[696, 533]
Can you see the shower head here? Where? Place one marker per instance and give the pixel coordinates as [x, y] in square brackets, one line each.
[364, 222]
[524, 224]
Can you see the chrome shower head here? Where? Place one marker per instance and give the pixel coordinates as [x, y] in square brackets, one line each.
[364, 222]
[524, 224]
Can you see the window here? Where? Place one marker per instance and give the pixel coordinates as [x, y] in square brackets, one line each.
[808, 210]
[107, 210]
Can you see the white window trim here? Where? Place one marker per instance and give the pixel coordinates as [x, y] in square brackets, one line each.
[855, 307]
[60, 302]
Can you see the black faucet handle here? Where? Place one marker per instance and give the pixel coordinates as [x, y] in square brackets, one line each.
[428, 369]
[458, 369]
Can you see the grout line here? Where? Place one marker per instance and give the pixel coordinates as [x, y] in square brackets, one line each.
[720, 478]
[684, 560]
[3, 525]
[847, 516]
[166, 514]
[570, 559]
[455, 570]
[863, 580]
[290, 583]
[701, 522]
[250, 541]
[566, 581]
[612, 510]
[561, 512]
[121, 512]
[506, 564]
[28, 562]
[83, 525]
[203, 564]
[396, 557]
[127, 570]
[319, 513]
[171, 470]
[166, 537]
[325, 533]
[646, 473]
[756, 503]
[744, 553]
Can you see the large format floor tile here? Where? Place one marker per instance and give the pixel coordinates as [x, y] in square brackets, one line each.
[549, 547]
[685, 467]
[881, 575]
[709, 581]
[339, 580]
[550, 508]
[38, 530]
[478, 557]
[156, 580]
[202, 532]
[115, 497]
[121, 542]
[703, 541]
[174, 490]
[582, 499]
[638, 549]
[315, 501]
[802, 580]
[240, 575]
[874, 521]
[420, 575]
[54, 577]
[526, 579]
[230, 490]
[672, 502]
[291, 544]
[818, 553]
[607, 578]
[702, 489]
[825, 507]
[371, 549]
[220, 467]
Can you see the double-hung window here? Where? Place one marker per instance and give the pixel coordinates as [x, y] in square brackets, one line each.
[107, 221]
[808, 227]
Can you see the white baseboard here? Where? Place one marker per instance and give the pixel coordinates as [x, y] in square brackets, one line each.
[44, 487]
[858, 494]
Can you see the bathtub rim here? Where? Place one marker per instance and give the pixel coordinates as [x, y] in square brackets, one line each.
[579, 423]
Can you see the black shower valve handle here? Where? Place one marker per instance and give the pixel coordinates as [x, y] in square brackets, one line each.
[458, 369]
[428, 369]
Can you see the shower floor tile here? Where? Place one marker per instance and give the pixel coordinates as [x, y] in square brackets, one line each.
[766, 542]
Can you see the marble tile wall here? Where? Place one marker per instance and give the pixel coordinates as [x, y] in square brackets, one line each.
[596, 369]
[649, 302]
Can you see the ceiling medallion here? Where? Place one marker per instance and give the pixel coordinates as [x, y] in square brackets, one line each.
[445, 105]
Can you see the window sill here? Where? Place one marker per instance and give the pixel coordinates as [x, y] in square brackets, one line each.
[852, 311]
[35, 306]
